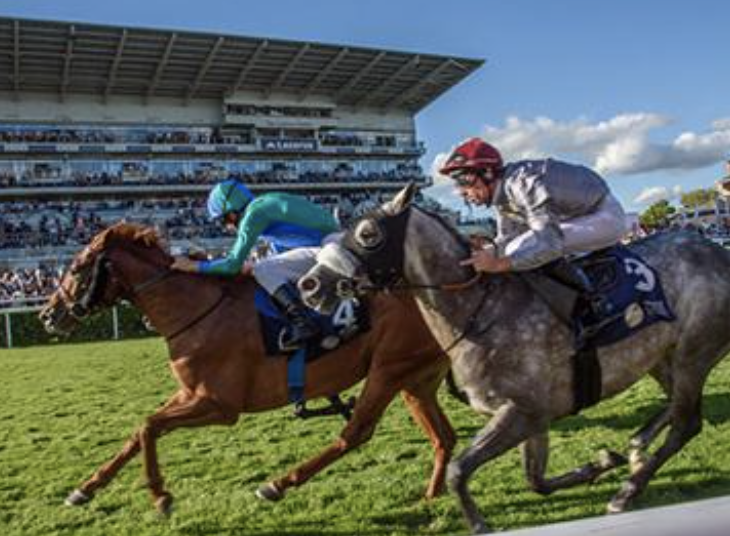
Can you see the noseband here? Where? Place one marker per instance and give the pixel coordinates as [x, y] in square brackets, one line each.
[384, 263]
[81, 307]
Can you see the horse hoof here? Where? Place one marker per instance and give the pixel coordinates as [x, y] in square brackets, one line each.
[269, 492]
[164, 505]
[615, 507]
[480, 528]
[77, 498]
[622, 499]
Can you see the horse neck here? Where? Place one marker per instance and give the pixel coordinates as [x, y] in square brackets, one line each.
[169, 302]
[432, 256]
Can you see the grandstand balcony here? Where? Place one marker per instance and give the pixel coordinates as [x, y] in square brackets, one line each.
[265, 145]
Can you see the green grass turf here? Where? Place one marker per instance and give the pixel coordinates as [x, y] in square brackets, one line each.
[67, 409]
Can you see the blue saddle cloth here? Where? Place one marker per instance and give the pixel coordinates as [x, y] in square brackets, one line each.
[350, 318]
[632, 296]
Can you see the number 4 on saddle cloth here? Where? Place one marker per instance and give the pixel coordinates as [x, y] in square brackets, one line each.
[350, 318]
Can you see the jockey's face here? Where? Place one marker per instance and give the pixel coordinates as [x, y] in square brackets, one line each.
[230, 221]
[476, 187]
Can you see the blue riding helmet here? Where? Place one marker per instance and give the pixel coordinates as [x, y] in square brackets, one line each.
[228, 196]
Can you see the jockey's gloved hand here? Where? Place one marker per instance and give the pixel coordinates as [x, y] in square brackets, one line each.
[184, 264]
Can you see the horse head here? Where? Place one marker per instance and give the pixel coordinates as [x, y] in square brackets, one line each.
[94, 279]
[369, 256]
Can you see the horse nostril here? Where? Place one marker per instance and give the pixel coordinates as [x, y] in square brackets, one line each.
[308, 284]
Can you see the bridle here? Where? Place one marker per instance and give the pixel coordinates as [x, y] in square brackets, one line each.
[383, 264]
[390, 277]
[80, 308]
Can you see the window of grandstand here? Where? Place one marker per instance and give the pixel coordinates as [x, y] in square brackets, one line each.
[36, 134]
[277, 111]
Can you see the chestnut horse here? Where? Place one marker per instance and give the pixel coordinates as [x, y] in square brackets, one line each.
[218, 358]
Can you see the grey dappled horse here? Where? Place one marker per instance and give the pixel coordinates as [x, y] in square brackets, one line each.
[512, 355]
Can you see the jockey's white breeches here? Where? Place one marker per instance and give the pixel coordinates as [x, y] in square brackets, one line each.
[276, 270]
[600, 229]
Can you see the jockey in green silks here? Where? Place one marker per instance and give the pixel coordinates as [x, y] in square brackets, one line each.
[294, 227]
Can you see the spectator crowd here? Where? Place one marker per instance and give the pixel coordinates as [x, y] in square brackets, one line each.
[20, 286]
[29, 226]
[136, 173]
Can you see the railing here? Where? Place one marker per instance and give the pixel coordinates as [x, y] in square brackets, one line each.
[32, 305]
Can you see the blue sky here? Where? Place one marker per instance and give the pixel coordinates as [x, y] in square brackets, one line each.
[639, 89]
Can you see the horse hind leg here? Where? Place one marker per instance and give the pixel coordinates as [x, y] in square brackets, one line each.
[684, 417]
[375, 398]
[640, 441]
[535, 452]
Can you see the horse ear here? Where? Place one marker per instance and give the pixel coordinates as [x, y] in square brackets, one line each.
[402, 200]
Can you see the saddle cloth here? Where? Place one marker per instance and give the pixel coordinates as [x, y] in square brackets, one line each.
[631, 296]
[350, 318]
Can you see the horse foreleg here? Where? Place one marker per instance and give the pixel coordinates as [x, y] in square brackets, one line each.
[508, 428]
[427, 413]
[193, 412]
[375, 398]
[535, 452]
[109, 470]
[104, 474]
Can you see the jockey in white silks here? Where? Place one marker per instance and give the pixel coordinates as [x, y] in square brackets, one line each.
[545, 209]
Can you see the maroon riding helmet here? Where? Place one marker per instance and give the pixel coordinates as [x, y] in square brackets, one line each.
[473, 156]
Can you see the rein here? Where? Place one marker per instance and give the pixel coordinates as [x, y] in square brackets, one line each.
[160, 278]
[404, 285]
[470, 323]
[152, 281]
[200, 317]
[390, 277]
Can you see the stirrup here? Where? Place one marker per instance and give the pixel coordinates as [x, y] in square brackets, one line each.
[336, 407]
[287, 341]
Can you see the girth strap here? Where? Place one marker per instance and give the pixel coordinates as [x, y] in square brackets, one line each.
[586, 377]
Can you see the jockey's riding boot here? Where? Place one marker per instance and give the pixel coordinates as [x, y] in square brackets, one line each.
[303, 327]
[573, 276]
[570, 275]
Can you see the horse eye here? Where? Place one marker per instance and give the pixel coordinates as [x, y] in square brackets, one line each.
[368, 234]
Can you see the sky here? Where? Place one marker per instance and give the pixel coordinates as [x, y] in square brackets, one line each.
[637, 89]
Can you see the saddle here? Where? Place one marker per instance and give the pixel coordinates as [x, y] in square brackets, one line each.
[350, 318]
[627, 297]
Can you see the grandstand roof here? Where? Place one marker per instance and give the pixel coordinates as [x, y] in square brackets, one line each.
[81, 58]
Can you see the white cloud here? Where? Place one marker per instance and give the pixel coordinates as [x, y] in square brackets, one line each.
[622, 145]
[618, 146]
[439, 161]
[652, 195]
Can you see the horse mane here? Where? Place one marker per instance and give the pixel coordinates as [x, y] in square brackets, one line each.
[125, 233]
[447, 226]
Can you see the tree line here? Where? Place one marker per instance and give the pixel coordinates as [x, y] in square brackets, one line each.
[659, 214]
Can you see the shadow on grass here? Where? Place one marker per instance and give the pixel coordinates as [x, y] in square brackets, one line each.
[303, 529]
[715, 409]
[665, 493]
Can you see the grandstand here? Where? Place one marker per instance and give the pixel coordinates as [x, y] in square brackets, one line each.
[99, 123]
